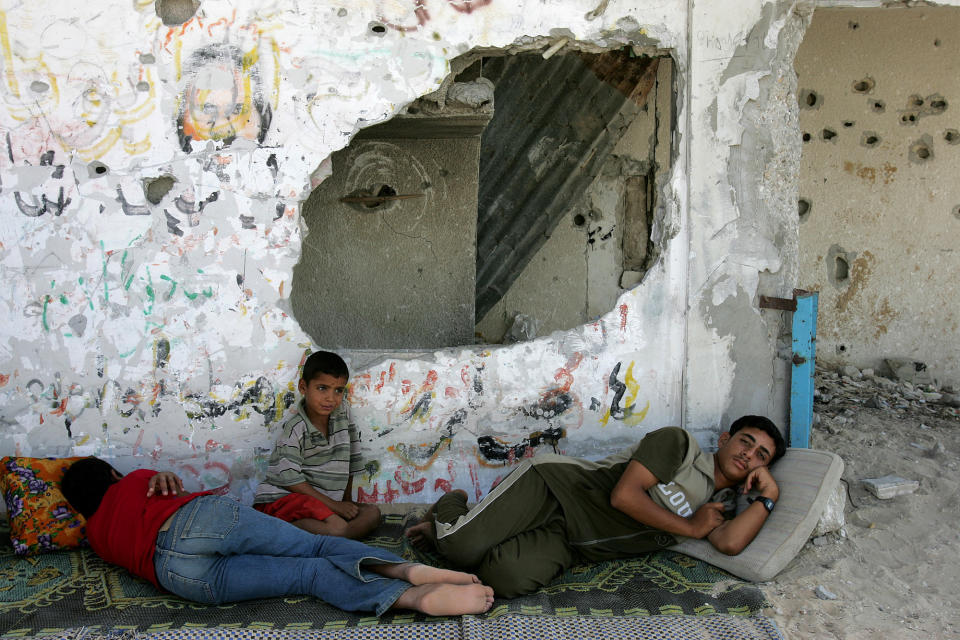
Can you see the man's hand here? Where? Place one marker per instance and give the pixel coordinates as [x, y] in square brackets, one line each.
[344, 509]
[706, 519]
[762, 481]
[733, 536]
[165, 483]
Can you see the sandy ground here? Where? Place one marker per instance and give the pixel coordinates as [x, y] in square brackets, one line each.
[895, 566]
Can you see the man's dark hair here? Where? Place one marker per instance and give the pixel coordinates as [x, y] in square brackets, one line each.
[84, 484]
[768, 427]
[324, 362]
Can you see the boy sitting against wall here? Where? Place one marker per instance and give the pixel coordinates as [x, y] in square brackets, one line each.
[309, 479]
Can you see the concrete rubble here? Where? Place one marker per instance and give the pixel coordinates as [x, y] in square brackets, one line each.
[839, 394]
[890, 486]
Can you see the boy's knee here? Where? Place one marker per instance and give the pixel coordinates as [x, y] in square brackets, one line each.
[509, 580]
[365, 522]
[515, 569]
[451, 506]
[369, 511]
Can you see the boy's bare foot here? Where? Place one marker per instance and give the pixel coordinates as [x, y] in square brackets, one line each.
[446, 599]
[416, 574]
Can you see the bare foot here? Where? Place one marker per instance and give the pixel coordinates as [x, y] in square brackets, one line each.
[417, 573]
[446, 599]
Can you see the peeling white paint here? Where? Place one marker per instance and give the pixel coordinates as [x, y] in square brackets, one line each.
[158, 334]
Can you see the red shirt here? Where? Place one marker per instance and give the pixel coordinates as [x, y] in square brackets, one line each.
[123, 531]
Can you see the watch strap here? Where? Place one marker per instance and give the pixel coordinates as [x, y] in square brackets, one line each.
[767, 503]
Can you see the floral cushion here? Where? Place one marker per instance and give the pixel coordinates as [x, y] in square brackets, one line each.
[41, 519]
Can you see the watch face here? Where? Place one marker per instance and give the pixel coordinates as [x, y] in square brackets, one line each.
[767, 503]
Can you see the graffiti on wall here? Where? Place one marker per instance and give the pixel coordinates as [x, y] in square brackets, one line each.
[457, 441]
[53, 399]
[417, 13]
[222, 98]
[83, 109]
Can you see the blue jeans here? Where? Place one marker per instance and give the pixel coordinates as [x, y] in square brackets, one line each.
[217, 550]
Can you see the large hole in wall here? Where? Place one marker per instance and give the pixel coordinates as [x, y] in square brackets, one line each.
[514, 201]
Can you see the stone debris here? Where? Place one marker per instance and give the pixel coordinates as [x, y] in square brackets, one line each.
[824, 594]
[851, 372]
[909, 371]
[890, 486]
[950, 399]
[833, 517]
[524, 328]
[839, 394]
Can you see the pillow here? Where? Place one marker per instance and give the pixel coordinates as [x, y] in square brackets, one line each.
[41, 519]
[807, 478]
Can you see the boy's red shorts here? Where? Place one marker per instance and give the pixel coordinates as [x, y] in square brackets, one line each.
[295, 506]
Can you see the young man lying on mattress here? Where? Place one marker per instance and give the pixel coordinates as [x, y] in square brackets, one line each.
[554, 511]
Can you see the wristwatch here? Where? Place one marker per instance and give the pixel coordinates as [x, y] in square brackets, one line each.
[767, 503]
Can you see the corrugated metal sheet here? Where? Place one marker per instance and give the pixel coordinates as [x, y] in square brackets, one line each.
[554, 124]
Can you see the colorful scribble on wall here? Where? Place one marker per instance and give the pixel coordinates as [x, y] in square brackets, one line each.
[222, 98]
[151, 179]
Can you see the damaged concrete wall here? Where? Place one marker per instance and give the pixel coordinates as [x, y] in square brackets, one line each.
[583, 257]
[880, 203]
[152, 175]
[400, 274]
[743, 163]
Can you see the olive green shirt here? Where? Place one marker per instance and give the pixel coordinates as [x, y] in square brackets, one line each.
[598, 530]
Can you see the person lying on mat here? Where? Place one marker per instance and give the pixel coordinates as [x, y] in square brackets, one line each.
[554, 511]
[211, 549]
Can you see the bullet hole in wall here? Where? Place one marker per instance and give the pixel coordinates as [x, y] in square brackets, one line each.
[956, 212]
[377, 29]
[173, 13]
[864, 86]
[869, 139]
[380, 197]
[39, 87]
[803, 208]
[878, 106]
[951, 136]
[828, 134]
[810, 99]
[936, 42]
[848, 123]
[841, 269]
[837, 264]
[922, 150]
[936, 104]
[806, 137]
[579, 220]
[97, 169]
[853, 26]
[908, 118]
[841, 349]
[155, 188]
[143, 86]
[915, 101]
